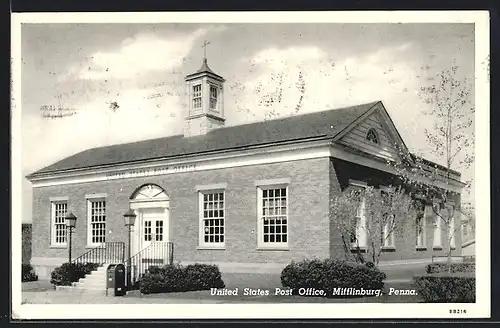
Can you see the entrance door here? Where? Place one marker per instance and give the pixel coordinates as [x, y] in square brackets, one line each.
[152, 237]
[153, 226]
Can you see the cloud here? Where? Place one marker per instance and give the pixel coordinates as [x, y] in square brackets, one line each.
[137, 55]
[280, 58]
[281, 82]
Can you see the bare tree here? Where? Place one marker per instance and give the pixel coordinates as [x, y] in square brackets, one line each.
[377, 214]
[344, 211]
[451, 138]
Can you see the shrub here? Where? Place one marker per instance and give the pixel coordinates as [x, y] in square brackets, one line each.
[176, 278]
[68, 273]
[455, 267]
[469, 259]
[330, 274]
[28, 273]
[446, 289]
[370, 264]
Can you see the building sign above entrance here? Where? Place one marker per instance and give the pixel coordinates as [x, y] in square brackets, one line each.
[137, 173]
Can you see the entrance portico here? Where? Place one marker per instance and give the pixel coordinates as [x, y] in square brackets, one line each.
[151, 205]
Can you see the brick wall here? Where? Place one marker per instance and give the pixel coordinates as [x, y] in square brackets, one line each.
[311, 232]
[405, 244]
[26, 243]
[308, 212]
[336, 244]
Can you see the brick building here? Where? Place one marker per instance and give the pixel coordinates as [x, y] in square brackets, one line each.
[26, 243]
[250, 198]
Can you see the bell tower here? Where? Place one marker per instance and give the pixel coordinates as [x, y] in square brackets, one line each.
[205, 91]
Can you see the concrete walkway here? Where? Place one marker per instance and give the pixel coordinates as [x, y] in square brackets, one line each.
[398, 276]
[43, 293]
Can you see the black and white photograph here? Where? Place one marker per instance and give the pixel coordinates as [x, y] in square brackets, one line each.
[251, 165]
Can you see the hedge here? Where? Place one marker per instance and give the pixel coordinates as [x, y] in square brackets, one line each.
[455, 267]
[446, 289]
[28, 273]
[329, 274]
[468, 259]
[68, 273]
[176, 278]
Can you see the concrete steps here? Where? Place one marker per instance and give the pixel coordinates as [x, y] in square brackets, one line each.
[93, 283]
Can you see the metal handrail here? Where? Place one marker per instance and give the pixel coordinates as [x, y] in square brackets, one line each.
[107, 252]
[156, 254]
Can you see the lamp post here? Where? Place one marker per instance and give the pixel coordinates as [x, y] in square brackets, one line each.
[129, 217]
[70, 225]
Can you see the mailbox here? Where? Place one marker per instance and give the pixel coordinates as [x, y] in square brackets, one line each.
[115, 279]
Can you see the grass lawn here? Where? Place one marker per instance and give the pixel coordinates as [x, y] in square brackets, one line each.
[37, 286]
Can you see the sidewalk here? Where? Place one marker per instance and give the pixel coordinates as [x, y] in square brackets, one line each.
[42, 293]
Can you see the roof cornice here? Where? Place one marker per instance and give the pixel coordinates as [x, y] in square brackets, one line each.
[262, 148]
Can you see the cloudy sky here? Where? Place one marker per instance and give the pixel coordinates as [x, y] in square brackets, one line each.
[272, 70]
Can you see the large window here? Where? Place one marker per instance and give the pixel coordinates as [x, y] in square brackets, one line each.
[58, 234]
[97, 221]
[358, 225]
[273, 216]
[213, 97]
[212, 214]
[451, 227]
[437, 228]
[421, 226]
[197, 96]
[387, 234]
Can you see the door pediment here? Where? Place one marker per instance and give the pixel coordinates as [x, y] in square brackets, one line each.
[149, 192]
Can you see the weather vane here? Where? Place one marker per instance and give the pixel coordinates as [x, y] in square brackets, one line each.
[204, 46]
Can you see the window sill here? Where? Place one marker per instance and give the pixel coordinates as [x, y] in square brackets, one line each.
[420, 248]
[267, 248]
[361, 249]
[437, 248]
[58, 246]
[220, 248]
[388, 249]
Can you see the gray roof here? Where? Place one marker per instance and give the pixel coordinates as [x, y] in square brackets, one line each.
[299, 127]
[204, 69]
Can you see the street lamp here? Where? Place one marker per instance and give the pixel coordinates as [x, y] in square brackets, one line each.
[70, 225]
[129, 217]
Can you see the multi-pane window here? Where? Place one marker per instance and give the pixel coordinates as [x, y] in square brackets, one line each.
[212, 218]
[97, 221]
[159, 231]
[147, 230]
[213, 97]
[197, 96]
[59, 210]
[274, 216]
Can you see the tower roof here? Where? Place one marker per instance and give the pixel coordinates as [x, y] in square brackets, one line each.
[204, 69]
